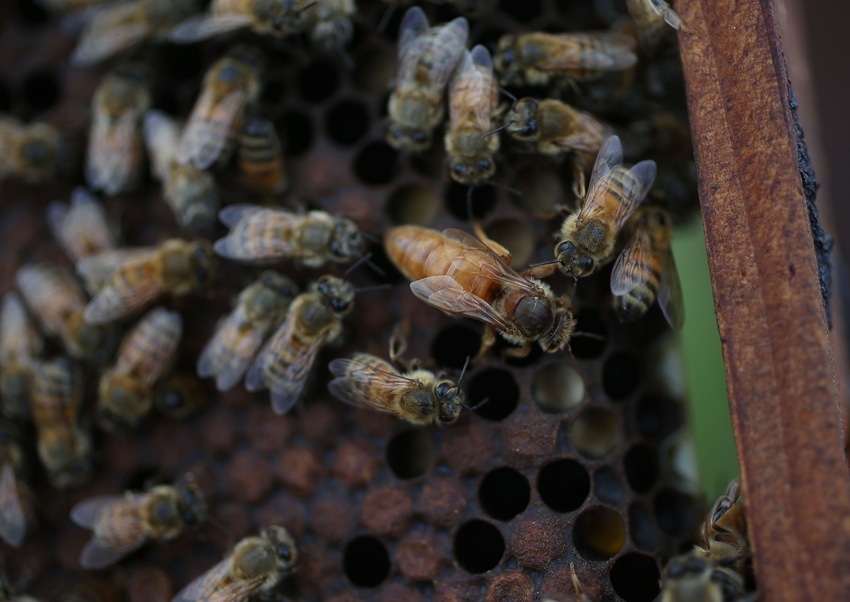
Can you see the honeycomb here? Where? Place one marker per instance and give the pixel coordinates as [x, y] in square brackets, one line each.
[564, 465]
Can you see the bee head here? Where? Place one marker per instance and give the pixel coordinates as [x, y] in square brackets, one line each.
[561, 330]
[203, 261]
[122, 402]
[505, 60]
[346, 242]
[288, 17]
[473, 173]
[524, 118]
[279, 284]
[68, 463]
[450, 400]
[572, 261]
[403, 139]
[192, 503]
[284, 547]
[338, 293]
[331, 36]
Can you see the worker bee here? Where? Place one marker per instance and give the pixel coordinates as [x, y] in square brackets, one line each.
[314, 319]
[121, 26]
[58, 303]
[645, 270]
[261, 158]
[536, 58]
[266, 17]
[259, 309]
[427, 59]
[330, 23]
[178, 396]
[122, 524]
[419, 396]
[688, 578]
[231, 86]
[20, 343]
[126, 390]
[175, 266]
[188, 191]
[15, 508]
[256, 564]
[34, 153]
[63, 446]
[81, 229]
[265, 235]
[723, 536]
[589, 235]
[473, 95]
[651, 18]
[459, 275]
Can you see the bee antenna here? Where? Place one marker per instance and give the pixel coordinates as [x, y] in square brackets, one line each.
[463, 370]
[499, 129]
[311, 5]
[218, 525]
[346, 58]
[376, 287]
[363, 259]
[509, 95]
[505, 187]
[477, 405]
[370, 238]
[386, 18]
[589, 335]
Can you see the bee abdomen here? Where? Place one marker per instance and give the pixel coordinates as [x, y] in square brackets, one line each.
[260, 156]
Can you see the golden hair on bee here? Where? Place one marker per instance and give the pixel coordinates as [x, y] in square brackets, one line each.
[260, 158]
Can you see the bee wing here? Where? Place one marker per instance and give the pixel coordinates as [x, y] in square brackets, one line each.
[201, 27]
[232, 214]
[115, 300]
[636, 183]
[413, 24]
[96, 269]
[216, 585]
[81, 229]
[670, 297]
[444, 293]
[230, 351]
[155, 339]
[111, 31]
[85, 513]
[125, 529]
[13, 518]
[162, 135]
[469, 80]
[609, 157]
[355, 380]
[630, 268]
[208, 128]
[485, 259]
[611, 51]
[449, 45]
[246, 242]
[19, 338]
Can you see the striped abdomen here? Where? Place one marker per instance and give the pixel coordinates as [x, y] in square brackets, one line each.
[260, 157]
[149, 348]
[119, 524]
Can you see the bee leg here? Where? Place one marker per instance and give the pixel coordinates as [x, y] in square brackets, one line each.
[519, 351]
[498, 249]
[487, 341]
[579, 182]
[543, 270]
[398, 339]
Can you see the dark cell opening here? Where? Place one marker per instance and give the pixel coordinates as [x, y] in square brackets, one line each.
[391, 20]
[181, 62]
[297, 131]
[5, 97]
[563, 485]
[641, 466]
[414, 204]
[377, 163]
[346, 122]
[410, 454]
[522, 10]
[588, 347]
[620, 376]
[366, 562]
[657, 417]
[642, 529]
[635, 578]
[483, 200]
[479, 546]
[317, 82]
[675, 512]
[168, 103]
[608, 486]
[41, 90]
[500, 390]
[453, 345]
[31, 13]
[599, 533]
[380, 259]
[142, 477]
[504, 493]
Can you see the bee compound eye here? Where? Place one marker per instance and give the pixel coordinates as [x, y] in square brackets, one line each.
[483, 164]
[283, 552]
[419, 137]
[459, 169]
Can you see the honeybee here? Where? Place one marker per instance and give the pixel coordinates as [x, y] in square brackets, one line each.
[419, 396]
[122, 524]
[264, 235]
[15, 509]
[121, 26]
[175, 266]
[63, 446]
[265, 17]
[689, 578]
[34, 153]
[589, 235]
[256, 564]
[81, 229]
[260, 307]
[646, 269]
[536, 58]
[261, 158]
[20, 343]
[650, 17]
[58, 303]
[330, 23]
[473, 95]
[724, 534]
[427, 59]
[231, 86]
[178, 396]
[286, 360]
[459, 275]
[189, 191]
[126, 390]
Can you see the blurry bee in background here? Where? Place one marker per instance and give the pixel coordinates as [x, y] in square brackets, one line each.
[263, 235]
[256, 564]
[115, 154]
[314, 319]
[651, 18]
[20, 344]
[537, 58]
[473, 95]
[34, 153]
[190, 192]
[724, 534]
[121, 26]
[175, 266]
[122, 524]
[15, 508]
[125, 395]
[261, 306]
[58, 304]
[330, 23]
[688, 577]
[551, 127]
[69, 5]
[178, 396]
[63, 446]
[459, 275]
[646, 269]
[231, 86]
[419, 397]
[427, 59]
[81, 229]
[266, 17]
[260, 158]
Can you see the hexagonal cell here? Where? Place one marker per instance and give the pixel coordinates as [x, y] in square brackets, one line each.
[620, 376]
[563, 485]
[346, 122]
[317, 81]
[635, 578]
[658, 417]
[412, 204]
[641, 466]
[541, 187]
[461, 200]
[596, 432]
[454, 345]
[41, 90]
[590, 323]
[516, 236]
[500, 391]
[557, 388]
[599, 533]
[373, 70]
[365, 561]
[296, 129]
[642, 529]
[376, 163]
[410, 454]
[504, 493]
[675, 512]
[479, 546]
[608, 486]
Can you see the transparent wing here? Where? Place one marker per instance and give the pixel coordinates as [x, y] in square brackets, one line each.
[636, 183]
[444, 293]
[201, 27]
[116, 299]
[217, 585]
[154, 342]
[111, 150]
[209, 126]
[355, 381]
[631, 268]
[286, 391]
[609, 51]
[120, 517]
[258, 236]
[488, 263]
[232, 214]
[113, 30]
[13, 518]
[609, 157]
[470, 82]
[162, 135]
[670, 297]
[85, 513]
[96, 269]
[448, 47]
[229, 353]
[413, 24]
